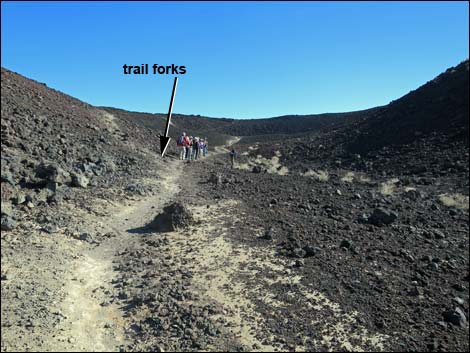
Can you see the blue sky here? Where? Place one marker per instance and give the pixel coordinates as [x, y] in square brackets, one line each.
[244, 60]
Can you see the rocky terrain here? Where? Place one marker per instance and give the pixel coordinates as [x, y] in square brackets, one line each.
[335, 232]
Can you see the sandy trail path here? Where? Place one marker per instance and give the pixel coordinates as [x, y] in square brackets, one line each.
[92, 322]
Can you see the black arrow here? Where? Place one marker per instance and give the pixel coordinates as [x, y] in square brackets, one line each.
[165, 139]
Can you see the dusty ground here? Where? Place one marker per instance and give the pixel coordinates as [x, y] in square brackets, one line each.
[57, 295]
[215, 286]
[218, 292]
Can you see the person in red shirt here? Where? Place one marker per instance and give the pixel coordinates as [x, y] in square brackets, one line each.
[180, 145]
[187, 147]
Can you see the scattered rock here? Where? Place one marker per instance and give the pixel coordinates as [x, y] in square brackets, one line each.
[7, 177]
[268, 234]
[46, 171]
[347, 244]
[215, 179]
[382, 217]
[412, 194]
[258, 169]
[311, 250]
[455, 317]
[415, 292]
[299, 253]
[459, 300]
[86, 237]
[8, 223]
[459, 287]
[79, 180]
[140, 189]
[6, 209]
[19, 199]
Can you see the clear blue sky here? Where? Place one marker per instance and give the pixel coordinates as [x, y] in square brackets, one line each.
[244, 60]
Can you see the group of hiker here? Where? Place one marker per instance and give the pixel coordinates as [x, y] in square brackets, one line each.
[191, 148]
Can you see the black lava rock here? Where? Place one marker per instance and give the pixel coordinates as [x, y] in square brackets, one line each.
[173, 217]
[382, 217]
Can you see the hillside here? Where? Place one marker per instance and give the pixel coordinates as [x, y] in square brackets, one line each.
[426, 132]
[441, 106]
[220, 129]
[43, 126]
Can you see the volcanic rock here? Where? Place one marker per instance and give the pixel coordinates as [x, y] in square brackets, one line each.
[8, 223]
[79, 180]
[382, 217]
[456, 317]
[215, 178]
[52, 172]
[299, 253]
[311, 250]
[347, 244]
[173, 217]
[8, 177]
[268, 234]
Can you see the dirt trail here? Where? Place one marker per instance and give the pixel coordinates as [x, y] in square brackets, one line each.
[89, 322]
[223, 149]
[233, 140]
[93, 323]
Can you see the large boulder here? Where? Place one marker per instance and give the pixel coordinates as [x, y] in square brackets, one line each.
[175, 216]
[79, 180]
[53, 173]
[382, 217]
[456, 317]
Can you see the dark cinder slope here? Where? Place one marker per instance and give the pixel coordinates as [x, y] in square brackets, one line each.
[426, 131]
[50, 139]
[440, 106]
[292, 124]
[219, 130]
[194, 125]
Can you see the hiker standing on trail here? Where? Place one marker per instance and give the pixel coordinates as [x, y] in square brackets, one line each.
[180, 146]
[196, 148]
[201, 147]
[187, 144]
[204, 147]
[190, 148]
[233, 154]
